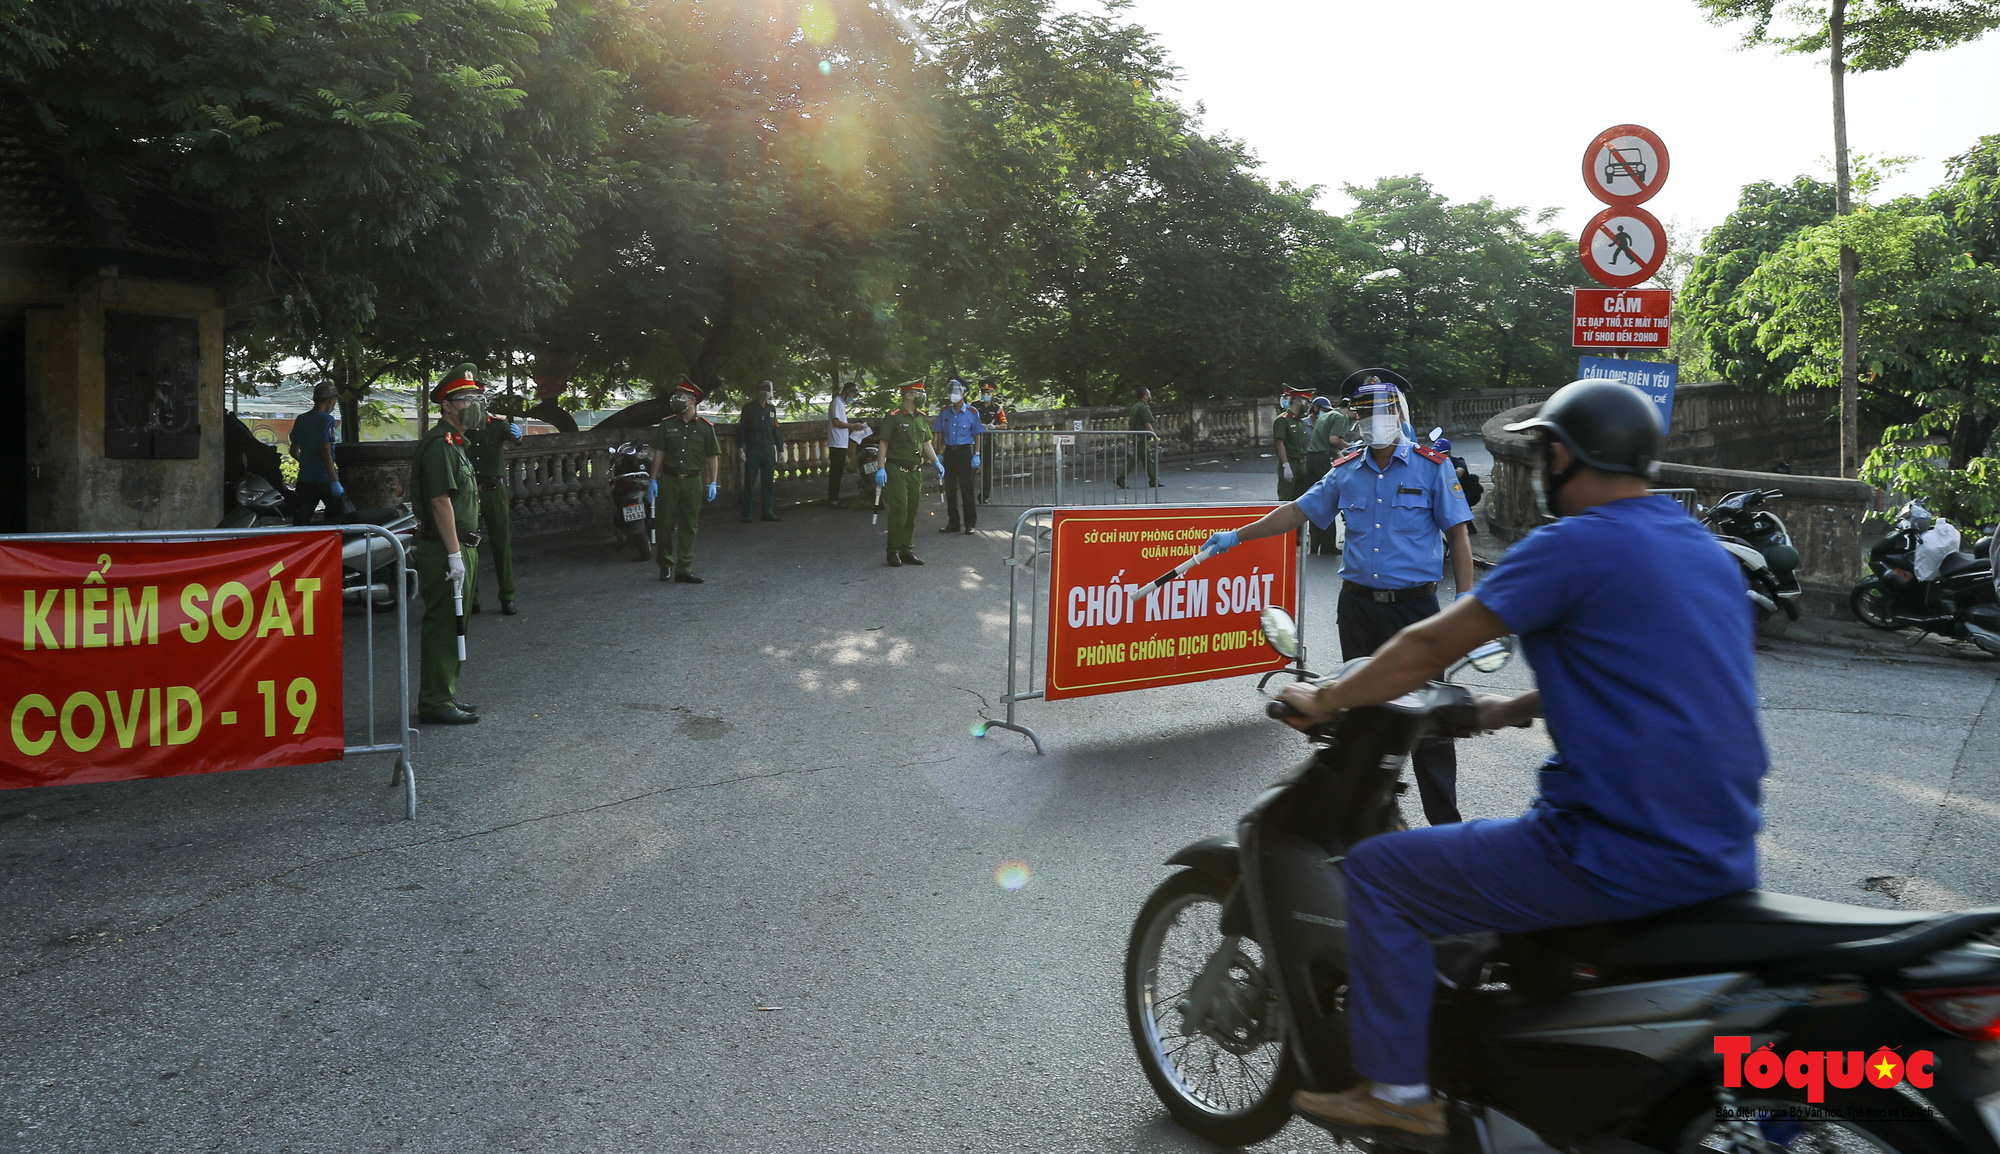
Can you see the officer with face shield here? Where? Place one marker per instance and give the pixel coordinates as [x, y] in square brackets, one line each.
[686, 453]
[447, 508]
[1402, 502]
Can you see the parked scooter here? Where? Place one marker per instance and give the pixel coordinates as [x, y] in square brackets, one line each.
[632, 514]
[1591, 1039]
[1958, 601]
[255, 503]
[364, 556]
[1758, 540]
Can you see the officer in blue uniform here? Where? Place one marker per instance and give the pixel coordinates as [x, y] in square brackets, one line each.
[958, 430]
[1634, 621]
[1402, 502]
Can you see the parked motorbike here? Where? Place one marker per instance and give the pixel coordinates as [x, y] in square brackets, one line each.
[1958, 601]
[1595, 1039]
[1758, 540]
[632, 514]
[255, 503]
[364, 556]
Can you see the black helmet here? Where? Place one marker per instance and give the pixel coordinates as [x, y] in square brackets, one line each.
[1606, 425]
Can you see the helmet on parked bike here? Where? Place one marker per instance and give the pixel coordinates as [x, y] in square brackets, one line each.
[1606, 425]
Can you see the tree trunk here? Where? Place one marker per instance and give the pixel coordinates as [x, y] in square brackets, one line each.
[1850, 262]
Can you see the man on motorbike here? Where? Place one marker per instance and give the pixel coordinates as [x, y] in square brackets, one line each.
[1635, 623]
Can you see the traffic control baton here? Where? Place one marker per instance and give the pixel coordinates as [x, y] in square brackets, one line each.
[877, 514]
[1180, 570]
[458, 609]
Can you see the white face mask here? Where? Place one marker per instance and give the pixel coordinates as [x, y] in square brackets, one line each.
[957, 395]
[1384, 427]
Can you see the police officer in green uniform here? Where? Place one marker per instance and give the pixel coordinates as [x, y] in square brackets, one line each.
[906, 440]
[1288, 435]
[1141, 419]
[1332, 429]
[447, 506]
[686, 454]
[485, 445]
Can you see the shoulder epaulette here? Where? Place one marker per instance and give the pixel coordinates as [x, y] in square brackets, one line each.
[1346, 457]
[705, 421]
[1432, 454]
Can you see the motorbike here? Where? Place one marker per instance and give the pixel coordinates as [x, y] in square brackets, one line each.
[255, 503]
[1758, 540]
[1596, 1039]
[632, 513]
[1958, 601]
[363, 555]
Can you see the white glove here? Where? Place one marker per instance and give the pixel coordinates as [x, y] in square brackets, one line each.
[1287, 466]
[454, 568]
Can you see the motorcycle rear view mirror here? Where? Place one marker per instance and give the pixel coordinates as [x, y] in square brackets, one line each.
[1436, 432]
[1492, 656]
[1280, 630]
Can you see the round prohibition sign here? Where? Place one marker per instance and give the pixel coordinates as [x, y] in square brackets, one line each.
[1625, 165]
[1622, 247]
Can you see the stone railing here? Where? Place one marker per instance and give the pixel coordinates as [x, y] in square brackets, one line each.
[1825, 515]
[1464, 414]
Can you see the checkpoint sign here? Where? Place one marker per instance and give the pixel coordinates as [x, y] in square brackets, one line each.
[1625, 165]
[1622, 247]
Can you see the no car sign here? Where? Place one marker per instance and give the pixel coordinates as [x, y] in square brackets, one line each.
[1625, 165]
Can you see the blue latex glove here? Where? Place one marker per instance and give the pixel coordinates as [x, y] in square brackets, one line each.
[514, 430]
[711, 491]
[338, 489]
[975, 460]
[940, 469]
[881, 477]
[652, 490]
[1222, 542]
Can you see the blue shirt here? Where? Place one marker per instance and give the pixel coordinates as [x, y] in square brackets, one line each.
[311, 430]
[959, 424]
[1635, 622]
[1396, 517]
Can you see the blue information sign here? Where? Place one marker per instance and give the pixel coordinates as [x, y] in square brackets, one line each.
[1653, 378]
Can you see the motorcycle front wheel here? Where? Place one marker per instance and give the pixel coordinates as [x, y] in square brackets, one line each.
[1230, 1080]
[1871, 605]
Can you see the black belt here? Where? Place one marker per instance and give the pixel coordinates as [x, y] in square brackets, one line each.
[679, 476]
[489, 482]
[903, 468]
[1390, 596]
[467, 538]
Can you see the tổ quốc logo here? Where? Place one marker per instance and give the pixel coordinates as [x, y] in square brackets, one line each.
[1763, 1068]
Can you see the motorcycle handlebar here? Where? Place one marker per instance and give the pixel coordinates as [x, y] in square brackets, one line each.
[1279, 710]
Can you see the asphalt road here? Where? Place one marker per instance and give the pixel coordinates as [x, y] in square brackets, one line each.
[718, 873]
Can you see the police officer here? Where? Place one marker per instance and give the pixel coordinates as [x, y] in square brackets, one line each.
[1632, 616]
[1332, 428]
[1401, 502]
[1288, 437]
[906, 447]
[447, 507]
[757, 447]
[958, 430]
[485, 446]
[1141, 418]
[687, 453]
[993, 415]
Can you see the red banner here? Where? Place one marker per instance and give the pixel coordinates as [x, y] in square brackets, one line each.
[1108, 634]
[127, 659]
[1621, 318]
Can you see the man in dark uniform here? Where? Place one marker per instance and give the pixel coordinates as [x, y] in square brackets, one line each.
[314, 434]
[687, 453]
[757, 448]
[1288, 436]
[447, 507]
[486, 446]
[1138, 420]
[1402, 503]
[906, 447]
[994, 416]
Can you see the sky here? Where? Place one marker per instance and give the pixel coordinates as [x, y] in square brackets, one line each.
[1497, 99]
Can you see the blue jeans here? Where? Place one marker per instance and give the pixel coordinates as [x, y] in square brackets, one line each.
[1405, 888]
[760, 463]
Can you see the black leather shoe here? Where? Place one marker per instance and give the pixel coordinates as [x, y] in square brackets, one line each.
[772, 517]
[466, 706]
[895, 562]
[452, 716]
[969, 530]
[666, 574]
[687, 579]
[949, 529]
[911, 559]
[507, 609]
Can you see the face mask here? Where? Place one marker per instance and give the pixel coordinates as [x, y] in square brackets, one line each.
[473, 414]
[677, 404]
[1383, 428]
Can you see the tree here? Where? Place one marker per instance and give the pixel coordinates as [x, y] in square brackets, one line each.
[1863, 36]
[1713, 313]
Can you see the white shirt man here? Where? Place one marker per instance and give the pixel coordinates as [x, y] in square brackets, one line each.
[840, 434]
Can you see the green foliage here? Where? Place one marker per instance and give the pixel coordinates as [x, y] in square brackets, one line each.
[1967, 496]
[1878, 34]
[1711, 308]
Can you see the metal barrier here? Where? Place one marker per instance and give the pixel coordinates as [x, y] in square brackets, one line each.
[1036, 525]
[371, 560]
[1686, 497]
[1048, 467]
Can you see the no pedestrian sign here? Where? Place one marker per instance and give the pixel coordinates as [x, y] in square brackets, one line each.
[1625, 165]
[1621, 318]
[1622, 247]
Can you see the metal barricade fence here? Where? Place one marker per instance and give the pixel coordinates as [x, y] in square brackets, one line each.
[1686, 497]
[1036, 467]
[383, 556]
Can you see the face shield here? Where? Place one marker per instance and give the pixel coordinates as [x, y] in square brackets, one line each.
[677, 404]
[1383, 411]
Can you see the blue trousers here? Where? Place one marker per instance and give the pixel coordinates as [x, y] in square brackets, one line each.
[1405, 888]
